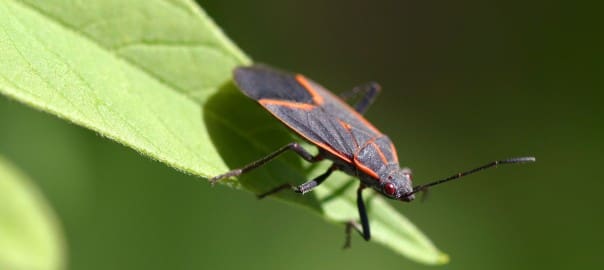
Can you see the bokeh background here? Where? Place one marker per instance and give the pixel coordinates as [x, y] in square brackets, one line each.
[464, 82]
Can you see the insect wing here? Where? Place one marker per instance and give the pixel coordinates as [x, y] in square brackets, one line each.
[308, 109]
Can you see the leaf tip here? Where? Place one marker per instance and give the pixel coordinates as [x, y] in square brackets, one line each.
[443, 258]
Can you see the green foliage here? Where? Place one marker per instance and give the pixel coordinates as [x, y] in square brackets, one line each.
[156, 77]
[29, 235]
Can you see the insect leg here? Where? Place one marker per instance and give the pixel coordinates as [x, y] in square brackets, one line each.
[303, 188]
[369, 90]
[363, 230]
[258, 163]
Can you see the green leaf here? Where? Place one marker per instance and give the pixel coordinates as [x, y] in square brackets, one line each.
[156, 77]
[30, 237]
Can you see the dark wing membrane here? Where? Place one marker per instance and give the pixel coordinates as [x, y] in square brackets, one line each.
[308, 109]
[337, 108]
[261, 82]
[317, 127]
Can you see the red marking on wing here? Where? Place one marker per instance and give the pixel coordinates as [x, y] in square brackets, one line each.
[348, 128]
[362, 166]
[356, 114]
[393, 151]
[366, 169]
[329, 149]
[306, 107]
[345, 125]
[382, 156]
[289, 104]
[318, 99]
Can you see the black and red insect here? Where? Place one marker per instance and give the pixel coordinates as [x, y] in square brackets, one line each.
[340, 132]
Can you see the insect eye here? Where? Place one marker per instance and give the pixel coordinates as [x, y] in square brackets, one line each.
[389, 189]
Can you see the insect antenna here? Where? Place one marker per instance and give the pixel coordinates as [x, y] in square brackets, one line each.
[424, 187]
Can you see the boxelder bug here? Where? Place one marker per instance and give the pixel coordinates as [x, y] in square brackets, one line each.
[340, 132]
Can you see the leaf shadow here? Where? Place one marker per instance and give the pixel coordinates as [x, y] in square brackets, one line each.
[340, 191]
[243, 132]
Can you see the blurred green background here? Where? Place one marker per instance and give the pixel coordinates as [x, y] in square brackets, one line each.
[463, 83]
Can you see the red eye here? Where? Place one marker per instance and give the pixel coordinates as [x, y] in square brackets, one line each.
[389, 189]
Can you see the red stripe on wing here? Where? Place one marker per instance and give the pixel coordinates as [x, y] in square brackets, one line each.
[318, 99]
